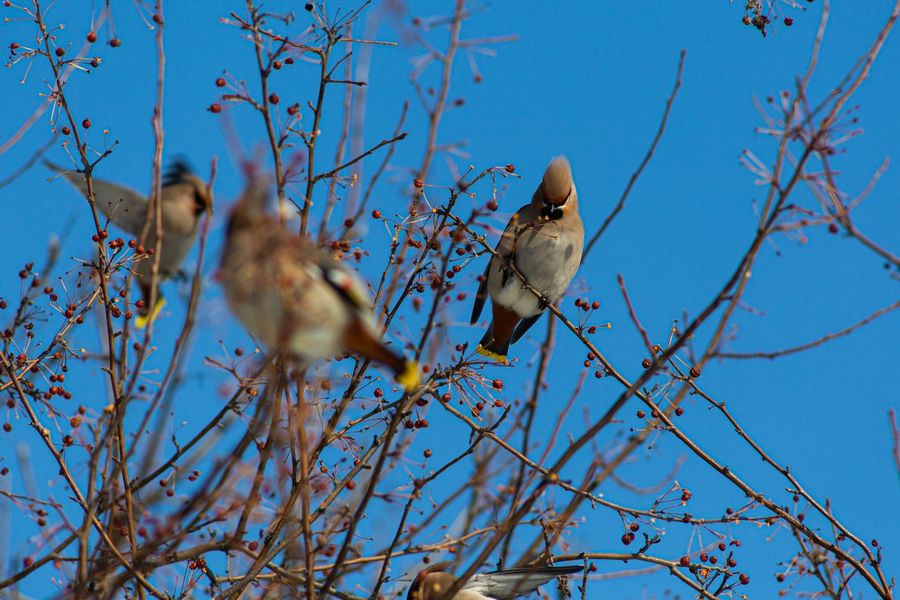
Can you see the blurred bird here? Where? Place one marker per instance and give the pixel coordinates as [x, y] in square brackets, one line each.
[294, 297]
[543, 239]
[184, 199]
[433, 582]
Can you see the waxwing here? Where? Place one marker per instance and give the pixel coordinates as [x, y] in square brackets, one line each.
[543, 239]
[432, 582]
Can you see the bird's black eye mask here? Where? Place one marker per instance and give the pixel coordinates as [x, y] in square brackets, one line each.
[551, 211]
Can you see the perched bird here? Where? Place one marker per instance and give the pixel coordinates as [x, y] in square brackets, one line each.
[184, 199]
[543, 239]
[433, 582]
[294, 297]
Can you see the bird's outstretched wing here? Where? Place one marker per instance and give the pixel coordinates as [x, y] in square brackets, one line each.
[512, 583]
[125, 207]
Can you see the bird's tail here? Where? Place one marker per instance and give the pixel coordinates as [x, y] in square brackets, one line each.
[145, 318]
[361, 341]
[494, 346]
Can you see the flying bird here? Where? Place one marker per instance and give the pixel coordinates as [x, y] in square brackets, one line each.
[293, 296]
[184, 199]
[433, 582]
[543, 239]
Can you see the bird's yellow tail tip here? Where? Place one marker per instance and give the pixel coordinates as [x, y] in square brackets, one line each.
[410, 377]
[143, 320]
[500, 358]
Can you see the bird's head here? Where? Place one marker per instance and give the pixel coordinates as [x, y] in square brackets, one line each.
[428, 583]
[180, 173]
[557, 186]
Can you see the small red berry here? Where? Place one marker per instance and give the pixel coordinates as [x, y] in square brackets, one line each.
[685, 561]
[418, 183]
[86, 123]
[60, 51]
[277, 64]
[745, 579]
[498, 384]
[695, 372]
[91, 37]
[115, 42]
[66, 130]
[492, 205]
[274, 98]
[220, 82]
[832, 228]
[215, 108]
[788, 21]
[376, 214]
[646, 363]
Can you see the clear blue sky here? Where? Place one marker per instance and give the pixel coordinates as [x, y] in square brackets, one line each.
[588, 81]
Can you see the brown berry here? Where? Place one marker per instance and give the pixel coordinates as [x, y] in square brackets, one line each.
[115, 42]
[215, 107]
[91, 37]
[695, 372]
[60, 51]
[220, 82]
[86, 123]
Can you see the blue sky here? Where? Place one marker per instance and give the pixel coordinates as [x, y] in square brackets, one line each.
[588, 80]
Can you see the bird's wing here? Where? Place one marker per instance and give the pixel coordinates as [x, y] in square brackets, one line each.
[481, 295]
[346, 283]
[124, 206]
[505, 248]
[523, 326]
[512, 583]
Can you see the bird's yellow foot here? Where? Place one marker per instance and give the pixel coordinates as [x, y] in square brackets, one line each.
[409, 378]
[142, 320]
[500, 358]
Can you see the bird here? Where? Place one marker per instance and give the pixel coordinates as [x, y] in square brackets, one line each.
[543, 240]
[432, 582]
[295, 297]
[183, 201]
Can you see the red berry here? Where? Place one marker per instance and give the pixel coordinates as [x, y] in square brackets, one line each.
[215, 107]
[115, 42]
[220, 82]
[418, 183]
[86, 123]
[277, 64]
[274, 98]
[510, 168]
[646, 363]
[832, 228]
[492, 205]
[60, 51]
[498, 384]
[685, 561]
[92, 37]
[66, 130]
[376, 214]
[695, 372]
[788, 21]
[745, 579]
